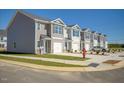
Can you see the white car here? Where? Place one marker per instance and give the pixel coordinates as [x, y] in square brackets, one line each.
[99, 49]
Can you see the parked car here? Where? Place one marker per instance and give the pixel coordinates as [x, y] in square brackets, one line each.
[99, 49]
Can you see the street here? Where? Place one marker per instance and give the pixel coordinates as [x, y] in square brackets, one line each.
[18, 74]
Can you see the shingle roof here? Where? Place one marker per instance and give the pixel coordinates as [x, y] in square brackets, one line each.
[93, 31]
[84, 29]
[34, 16]
[3, 32]
[71, 25]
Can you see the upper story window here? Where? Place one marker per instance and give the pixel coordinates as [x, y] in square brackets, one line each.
[76, 33]
[87, 35]
[38, 26]
[95, 37]
[58, 29]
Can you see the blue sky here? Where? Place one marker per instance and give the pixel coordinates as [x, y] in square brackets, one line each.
[109, 22]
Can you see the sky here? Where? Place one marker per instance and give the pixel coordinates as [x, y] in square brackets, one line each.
[109, 22]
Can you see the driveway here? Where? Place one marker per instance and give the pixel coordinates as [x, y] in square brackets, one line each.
[14, 73]
[98, 58]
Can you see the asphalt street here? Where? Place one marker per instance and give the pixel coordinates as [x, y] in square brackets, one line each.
[18, 74]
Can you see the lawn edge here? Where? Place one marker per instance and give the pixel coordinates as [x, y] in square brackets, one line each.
[43, 67]
[54, 68]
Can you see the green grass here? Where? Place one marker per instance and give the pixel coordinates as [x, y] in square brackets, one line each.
[49, 56]
[39, 62]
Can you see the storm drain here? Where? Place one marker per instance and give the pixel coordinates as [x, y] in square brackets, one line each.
[93, 65]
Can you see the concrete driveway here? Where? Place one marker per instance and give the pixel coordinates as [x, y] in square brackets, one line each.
[98, 58]
[14, 73]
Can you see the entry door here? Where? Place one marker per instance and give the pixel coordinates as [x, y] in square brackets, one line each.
[47, 46]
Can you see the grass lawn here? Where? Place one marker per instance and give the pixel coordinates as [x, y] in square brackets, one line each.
[39, 62]
[49, 56]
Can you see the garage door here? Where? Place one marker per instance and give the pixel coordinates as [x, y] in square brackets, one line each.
[57, 47]
[75, 46]
[87, 46]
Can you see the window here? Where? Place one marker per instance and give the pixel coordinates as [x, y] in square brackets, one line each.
[95, 37]
[40, 43]
[38, 26]
[1, 38]
[57, 29]
[14, 44]
[76, 33]
[87, 36]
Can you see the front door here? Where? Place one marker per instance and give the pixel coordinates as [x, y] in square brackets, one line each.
[47, 46]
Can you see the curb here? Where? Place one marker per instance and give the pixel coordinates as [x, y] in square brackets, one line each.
[68, 69]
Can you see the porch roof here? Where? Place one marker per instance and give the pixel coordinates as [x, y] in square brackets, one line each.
[68, 40]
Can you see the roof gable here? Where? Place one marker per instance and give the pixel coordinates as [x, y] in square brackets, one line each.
[58, 21]
[76, 26]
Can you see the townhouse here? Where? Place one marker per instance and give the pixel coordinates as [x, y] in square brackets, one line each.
[73, 40]
[86, 39]
[27, 33]
[3, 38]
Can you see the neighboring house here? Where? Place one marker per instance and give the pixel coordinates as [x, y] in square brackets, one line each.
[57, 35]
[31, 34]
[95, 38]
[86, 39]
[90, 39]
[101, 40]
[105, 42]
[74, 36]
[68, 39]
[28, 33]
[3, 39]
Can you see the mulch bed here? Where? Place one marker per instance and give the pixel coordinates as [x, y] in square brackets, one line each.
[112, 61]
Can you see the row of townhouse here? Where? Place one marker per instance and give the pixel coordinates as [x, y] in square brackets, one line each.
[27, 33]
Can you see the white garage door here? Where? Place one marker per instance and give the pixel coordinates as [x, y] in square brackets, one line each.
[87, 46]
[57, 47]
[75, 46]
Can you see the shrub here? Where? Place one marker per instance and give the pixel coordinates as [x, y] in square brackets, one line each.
[75, 51]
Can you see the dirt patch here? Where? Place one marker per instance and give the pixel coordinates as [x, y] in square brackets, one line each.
[112, 61]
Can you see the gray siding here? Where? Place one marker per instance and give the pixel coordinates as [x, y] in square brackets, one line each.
[21, 31]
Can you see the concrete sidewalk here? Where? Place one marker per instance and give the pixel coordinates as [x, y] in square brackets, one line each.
[101, 67]
[98, 58]
[51, 59]
[94, 58]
